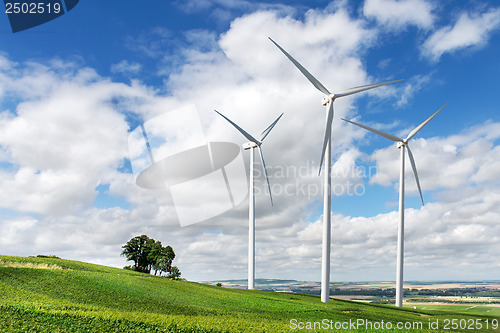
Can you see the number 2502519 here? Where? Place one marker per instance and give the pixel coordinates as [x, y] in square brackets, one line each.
[32, 8]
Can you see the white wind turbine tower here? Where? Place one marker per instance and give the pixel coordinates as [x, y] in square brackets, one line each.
[327, 101]
[402, 144]
[252, 144]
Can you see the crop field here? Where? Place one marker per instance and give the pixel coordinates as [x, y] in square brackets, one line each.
[56, 295]
[480, 309]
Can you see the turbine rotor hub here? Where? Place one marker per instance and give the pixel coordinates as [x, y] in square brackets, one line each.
[327, 99]
[402, 143]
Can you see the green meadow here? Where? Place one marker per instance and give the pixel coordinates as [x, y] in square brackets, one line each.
[56, 295]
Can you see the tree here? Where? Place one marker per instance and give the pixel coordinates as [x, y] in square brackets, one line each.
[175, 273]
[148, 254]
[163, 261]
[138, 250]
[155, 255]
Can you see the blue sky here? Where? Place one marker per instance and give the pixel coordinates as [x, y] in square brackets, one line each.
[71, 91]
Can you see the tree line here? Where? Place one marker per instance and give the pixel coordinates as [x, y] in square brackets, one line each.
[149, 254]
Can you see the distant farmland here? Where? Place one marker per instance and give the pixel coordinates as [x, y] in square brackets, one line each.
[482, 298]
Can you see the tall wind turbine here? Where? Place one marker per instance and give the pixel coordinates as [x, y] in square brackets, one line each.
[402, 144]
[252, 144]
[326, 152]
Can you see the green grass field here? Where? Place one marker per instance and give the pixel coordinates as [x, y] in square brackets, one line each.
[56, 295]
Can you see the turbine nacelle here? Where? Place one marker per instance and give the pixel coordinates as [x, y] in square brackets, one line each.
[402, 143]
[250, 145]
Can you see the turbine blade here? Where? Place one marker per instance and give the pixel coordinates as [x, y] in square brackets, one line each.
[385, 135]
[241, 130]
[328, 136]
[419, 127]
[414, 167]
[265, 172]
[267, 130]
[304, 71]
[363, 88]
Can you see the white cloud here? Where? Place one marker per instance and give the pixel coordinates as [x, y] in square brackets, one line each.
[225, 10]
[152, 43]
[65, 136]
[126, 67]
[444, 163]
[397, 14]
[412, 87]
[470, 30]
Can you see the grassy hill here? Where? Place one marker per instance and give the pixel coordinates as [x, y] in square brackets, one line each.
[56, 295]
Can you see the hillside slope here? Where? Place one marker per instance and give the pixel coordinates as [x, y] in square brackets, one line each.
[50, 295]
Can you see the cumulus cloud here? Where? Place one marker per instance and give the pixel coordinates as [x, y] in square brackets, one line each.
[61, 143]
[470, 30]
[397, 14]
[444, 163]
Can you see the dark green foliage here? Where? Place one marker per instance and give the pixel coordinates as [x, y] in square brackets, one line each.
[148, 254]
[162, 258]
[138, 250]
[389, 292]
[175, 273]
[47, 256]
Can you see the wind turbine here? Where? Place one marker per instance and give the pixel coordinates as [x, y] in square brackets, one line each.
[252, 144]
[402, 144]
[326, 152]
